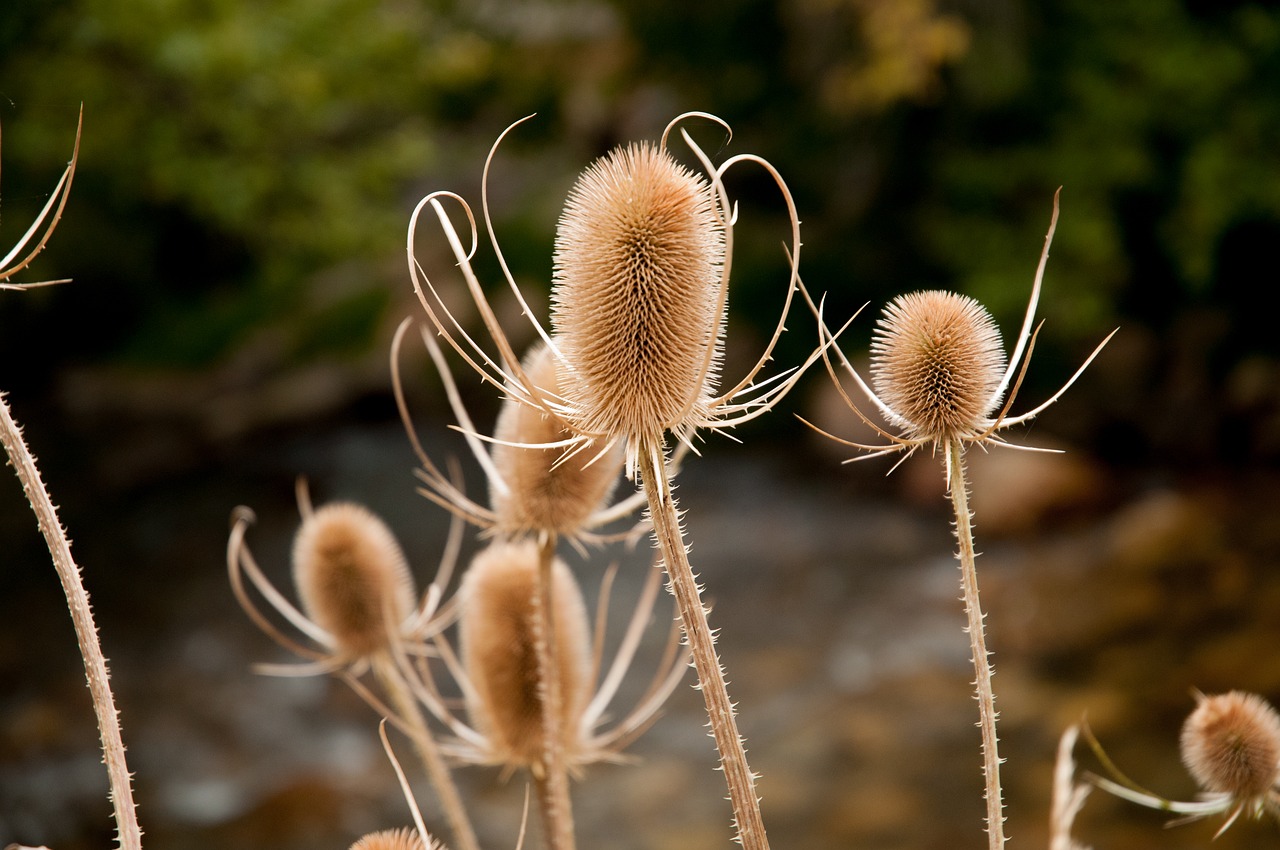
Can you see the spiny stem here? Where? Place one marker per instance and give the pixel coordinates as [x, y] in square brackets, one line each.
[437, 771]
[553, 784]
[129, 834]
[977, 644]
[693, 619]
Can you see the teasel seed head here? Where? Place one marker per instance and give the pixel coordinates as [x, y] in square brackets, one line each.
[639, 254]
[937, 362]
[390, 839]
[352, 577]
[544, 492]
[499, 635]
[1231, 744]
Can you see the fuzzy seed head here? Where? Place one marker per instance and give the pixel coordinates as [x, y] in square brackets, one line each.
[937, 361]
[352, 577]
[1231, 744]
[390, 839]
[499, 636]
[545, 494]
[638, 258]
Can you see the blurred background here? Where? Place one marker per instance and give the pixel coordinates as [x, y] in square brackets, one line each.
[236, 237]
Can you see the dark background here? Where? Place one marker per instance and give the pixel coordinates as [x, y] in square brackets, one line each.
[236, 239]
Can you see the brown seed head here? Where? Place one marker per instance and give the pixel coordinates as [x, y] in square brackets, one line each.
[1231, 744]
[937, 361]
[390, 839]
[499, 635]
[638, 259]
[352, 576]
[544, 495]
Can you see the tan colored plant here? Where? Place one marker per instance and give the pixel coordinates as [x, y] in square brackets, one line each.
[941, 378]
[642, 267]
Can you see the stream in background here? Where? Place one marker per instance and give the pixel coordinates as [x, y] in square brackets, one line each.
[835, 590]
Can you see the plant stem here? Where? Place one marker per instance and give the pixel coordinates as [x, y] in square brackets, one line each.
[129, 834]
[977, 644]
[438, 772]
[553, 784]
[698, 635]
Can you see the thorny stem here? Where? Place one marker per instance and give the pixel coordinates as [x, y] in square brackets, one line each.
[553, 781]
[129, 834]
[698, 635]
[977, 644]
[437, 771]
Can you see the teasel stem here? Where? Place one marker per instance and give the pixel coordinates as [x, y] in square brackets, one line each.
[959, 489]
[438, 772]
[129, 834]
[553, 783]
[701, 641]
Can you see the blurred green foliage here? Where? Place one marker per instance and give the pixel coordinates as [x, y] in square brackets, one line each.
[251, 165]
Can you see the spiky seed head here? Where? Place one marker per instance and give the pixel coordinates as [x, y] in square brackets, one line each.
[937, 362]
[352, 576]
[1231, 744]
[545, 493]
[638, 258]
[499, 636]
[390, 839]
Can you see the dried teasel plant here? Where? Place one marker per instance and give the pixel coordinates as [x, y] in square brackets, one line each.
[500, 671]
[940, 377]
[643, 255]
[129, 834]
[359, 609]
[1230, 745]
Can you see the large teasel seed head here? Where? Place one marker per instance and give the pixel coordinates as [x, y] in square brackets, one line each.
[544, 492]
[937, 362]
[352, 576]
[1231, 744]
[639, 253]
[499, 635]
[390, 839]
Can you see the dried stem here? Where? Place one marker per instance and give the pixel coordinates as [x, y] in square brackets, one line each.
[978, 645]
[129, 834]
[446, 790]
[553, 778]
[698, 635]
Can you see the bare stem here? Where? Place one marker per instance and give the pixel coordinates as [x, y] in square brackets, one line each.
[553, 783]
[129, 834]
[698, 635]
[978, 645]
[437, 771]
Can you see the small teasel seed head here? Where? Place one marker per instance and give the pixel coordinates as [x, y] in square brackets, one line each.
[390, 839]
[1231, 744]
[352, 576]
[545, 493]
[937, 362]
[499, 635]
[639, 253]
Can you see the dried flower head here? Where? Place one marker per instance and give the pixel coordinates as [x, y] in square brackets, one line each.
[42, 228]
[635, 300]
[936, 361]
[498, 632]
[939, 371]
[1231, 744]
[499, 672]
[352, 577]
[390, 839]
[545, 490]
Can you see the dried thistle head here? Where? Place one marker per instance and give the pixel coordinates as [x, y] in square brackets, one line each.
[390, 839]
[638, 259]
[499, 635]
[936, 362]
[1231, 745]
[352, 577]
[545, 490]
